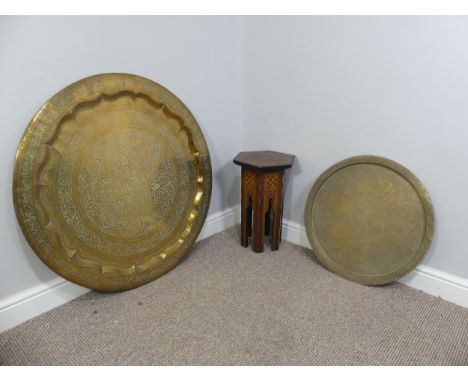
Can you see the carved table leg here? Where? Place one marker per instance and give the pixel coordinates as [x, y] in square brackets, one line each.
[246, 197]
[258, 215]
[277, 215]
[244, 224]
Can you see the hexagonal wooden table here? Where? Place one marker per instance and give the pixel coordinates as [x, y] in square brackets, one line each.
[262, 196]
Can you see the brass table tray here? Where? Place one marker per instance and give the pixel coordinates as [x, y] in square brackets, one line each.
[112, 181]
[369, 219]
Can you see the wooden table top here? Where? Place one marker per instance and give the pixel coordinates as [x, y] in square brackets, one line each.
[264, 160]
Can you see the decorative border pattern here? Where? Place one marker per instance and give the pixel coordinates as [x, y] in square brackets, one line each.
[38, 139]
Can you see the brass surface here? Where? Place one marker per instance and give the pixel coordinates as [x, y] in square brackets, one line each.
[112, 181]
[369, 219]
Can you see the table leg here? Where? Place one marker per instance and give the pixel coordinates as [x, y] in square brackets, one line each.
[245, 205]
[277, 215]
[258, 216]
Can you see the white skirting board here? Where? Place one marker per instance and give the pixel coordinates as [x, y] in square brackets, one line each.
[427, 279]
[37, 300]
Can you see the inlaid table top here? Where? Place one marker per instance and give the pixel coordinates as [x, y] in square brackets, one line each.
[264, 160]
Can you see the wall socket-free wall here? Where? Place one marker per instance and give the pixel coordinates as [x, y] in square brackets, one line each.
[328, 88]
[322, 88]
[199, 59]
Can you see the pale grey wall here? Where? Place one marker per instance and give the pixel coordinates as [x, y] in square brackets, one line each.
[197, 58]
[327, 88]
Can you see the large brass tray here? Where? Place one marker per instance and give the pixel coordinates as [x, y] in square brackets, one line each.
[112, 181]
[369, 219]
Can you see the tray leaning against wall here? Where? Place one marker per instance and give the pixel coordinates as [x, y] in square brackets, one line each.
[112, 181]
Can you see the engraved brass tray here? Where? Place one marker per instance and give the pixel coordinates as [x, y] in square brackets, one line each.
[112, 182]
[369, 219]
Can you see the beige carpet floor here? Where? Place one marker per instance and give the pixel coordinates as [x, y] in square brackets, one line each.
[226, 305]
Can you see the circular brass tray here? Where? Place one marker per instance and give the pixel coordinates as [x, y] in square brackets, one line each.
[369, 219]
[112, 181]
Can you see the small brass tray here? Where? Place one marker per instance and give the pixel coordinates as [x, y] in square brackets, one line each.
[112, 181]
[369, 219]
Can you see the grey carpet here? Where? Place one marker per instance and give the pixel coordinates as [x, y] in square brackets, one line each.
[226, 305]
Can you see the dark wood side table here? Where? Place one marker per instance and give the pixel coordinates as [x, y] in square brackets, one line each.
[262, 196]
